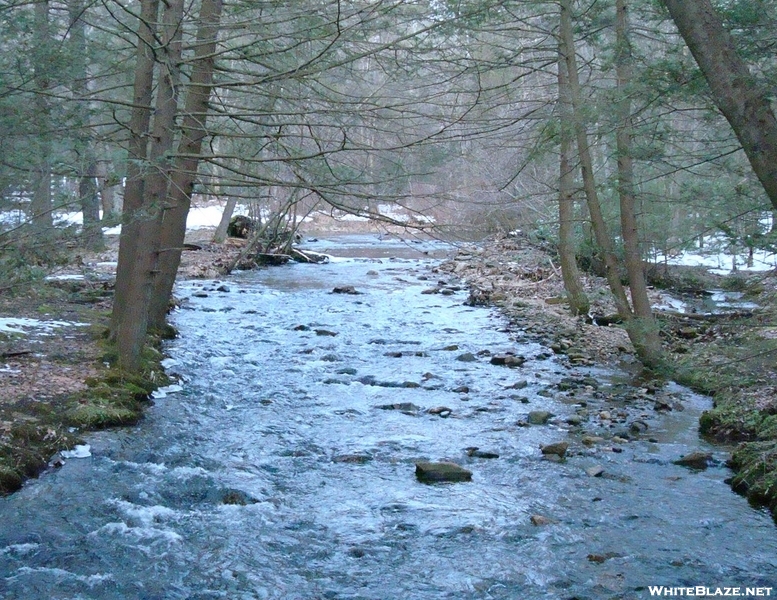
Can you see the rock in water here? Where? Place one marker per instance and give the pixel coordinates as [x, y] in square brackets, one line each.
[346, 289]
[475, 452]
[507, 360]
[539, 417]
[694, 460]
[429, 472]
[558, 449]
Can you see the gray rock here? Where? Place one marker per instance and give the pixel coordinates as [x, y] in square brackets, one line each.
[346, 289]
[507, 360]
[518, 385]
[462, 389]
[346, 371]
[325, 332]
[442, 411]
[596, 471]
[475, 452]
[466, 357]
[539, 417]
[401, 406]
[354, 459]
[429, 472]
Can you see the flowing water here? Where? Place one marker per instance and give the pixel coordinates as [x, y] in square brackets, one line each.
[279, 418]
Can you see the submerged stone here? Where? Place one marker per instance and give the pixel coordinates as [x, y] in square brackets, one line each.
[430, 472]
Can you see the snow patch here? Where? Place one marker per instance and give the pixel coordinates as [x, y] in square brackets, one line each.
[17, 324]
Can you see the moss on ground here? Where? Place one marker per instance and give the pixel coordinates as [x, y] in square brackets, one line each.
[40, 429]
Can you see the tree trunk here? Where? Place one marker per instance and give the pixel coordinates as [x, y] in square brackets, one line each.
[40, 207]
[642, 328]
[183, 178]
[92, 234]
[603, 239]
[745, 104]
[108, 197]
[133, 322]
[221, 231]
[578, 301]
[137, 159]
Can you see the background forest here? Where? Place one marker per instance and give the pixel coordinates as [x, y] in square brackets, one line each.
[595, 124]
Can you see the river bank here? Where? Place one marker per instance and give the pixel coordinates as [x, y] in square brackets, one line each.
[55, 384]
[728, 356]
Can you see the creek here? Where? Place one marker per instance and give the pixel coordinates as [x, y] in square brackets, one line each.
[271, 472]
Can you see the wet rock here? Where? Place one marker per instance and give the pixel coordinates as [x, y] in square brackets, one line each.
[662, 405]
[325, 332]
[539, 520]
[393, 354]
[539, 417]
[466, 357]
[638, 427]
[401, 406]
[433, 472]
[346, 289]
[301, 328]
[462, 389]
[352, 459]
[507, 360]
[451, 348]
[199, 295]
[222, 288]
[600, 558]
[574, 420]
[518, 385]
[556, 449]
[330, 358]
[620, 440]
[596, 471]
[237, 498]
[431, 291]
[346, 371]
[442, 411]
[695, 460]
[367, 380]
[475, 452]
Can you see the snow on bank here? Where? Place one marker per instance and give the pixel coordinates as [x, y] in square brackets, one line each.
[20, 324]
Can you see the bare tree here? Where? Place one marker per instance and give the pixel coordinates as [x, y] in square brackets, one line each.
[578, 300]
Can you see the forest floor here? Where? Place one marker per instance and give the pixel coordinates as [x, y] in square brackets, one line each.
[56, 382]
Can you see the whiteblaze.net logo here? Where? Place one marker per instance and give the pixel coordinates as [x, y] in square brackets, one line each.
[701, 591]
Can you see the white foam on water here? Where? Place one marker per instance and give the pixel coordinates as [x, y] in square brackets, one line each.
[80, 451]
